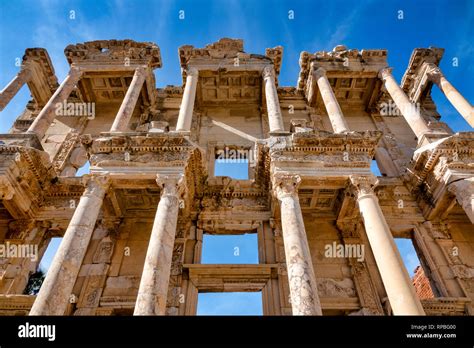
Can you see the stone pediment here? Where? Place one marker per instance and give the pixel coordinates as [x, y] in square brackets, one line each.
[115, 52]
[418, 57]
[341, 59]
[228, 51]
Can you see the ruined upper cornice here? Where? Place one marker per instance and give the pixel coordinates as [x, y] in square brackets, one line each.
[39, 57]
[414, 81]
[341, 59]
[227, 53]
[115, 52]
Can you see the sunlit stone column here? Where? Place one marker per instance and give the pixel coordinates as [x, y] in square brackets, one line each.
[395, 278]
[409, 111]
[153, 290]
[47, 115]
[55, 292]
[303, 286]
[275, 120]
[128, 104]
[186, 109]
[334, 111]
[10, 90]
[464, 191]
[465, 108]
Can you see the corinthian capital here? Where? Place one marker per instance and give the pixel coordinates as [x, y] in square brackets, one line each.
[268, 72]
[434, 73]
[285, 185]
[191, 71]
[385, 72]
[364, 184]
[96, 185]
[170, 184]
[318, 72]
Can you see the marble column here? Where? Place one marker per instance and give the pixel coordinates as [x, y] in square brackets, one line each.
[302, 281]
[333, 109]
[153, 290]
[275, 120]
[185, 117]
[464, 191]
[395, 278]
[10, 90]
[129, 102]
[47, 115]
[56, 290]
[408, 110]
[465, 108]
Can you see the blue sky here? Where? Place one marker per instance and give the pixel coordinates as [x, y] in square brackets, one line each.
[317, 25]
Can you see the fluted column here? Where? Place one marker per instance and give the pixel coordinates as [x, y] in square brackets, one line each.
[55, 292]
[395, 278]
[465, 108]
[128, 104]
[464, 191]
[302, 281]
[333, 109]
[186, 109]
[275, 120]
[10, 90]
[47, 115]
[153, 290]
[408, 110]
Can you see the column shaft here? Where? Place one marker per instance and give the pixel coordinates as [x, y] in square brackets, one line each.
[409, 111]
[10, 90]
[186, 109]
[55, 292]
[153, 290]
[275, 119]
[464, 191]
[128, 104]
[302, 281]
[395, 278]
[47, 115]
[333, 109]
[452, 94]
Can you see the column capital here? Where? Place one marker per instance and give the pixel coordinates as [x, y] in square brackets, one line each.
[286, 185]
[140, 70]
[268, 72]
[434, 73]
[385, 72]
[319, 72]
[169, 183]
[75, 71]
[192, 71]
[96, 184]
[364, 184]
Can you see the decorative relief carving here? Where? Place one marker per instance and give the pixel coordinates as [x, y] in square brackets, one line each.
[328, 287]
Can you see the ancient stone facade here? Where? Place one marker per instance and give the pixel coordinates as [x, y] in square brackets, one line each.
[133, 228]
